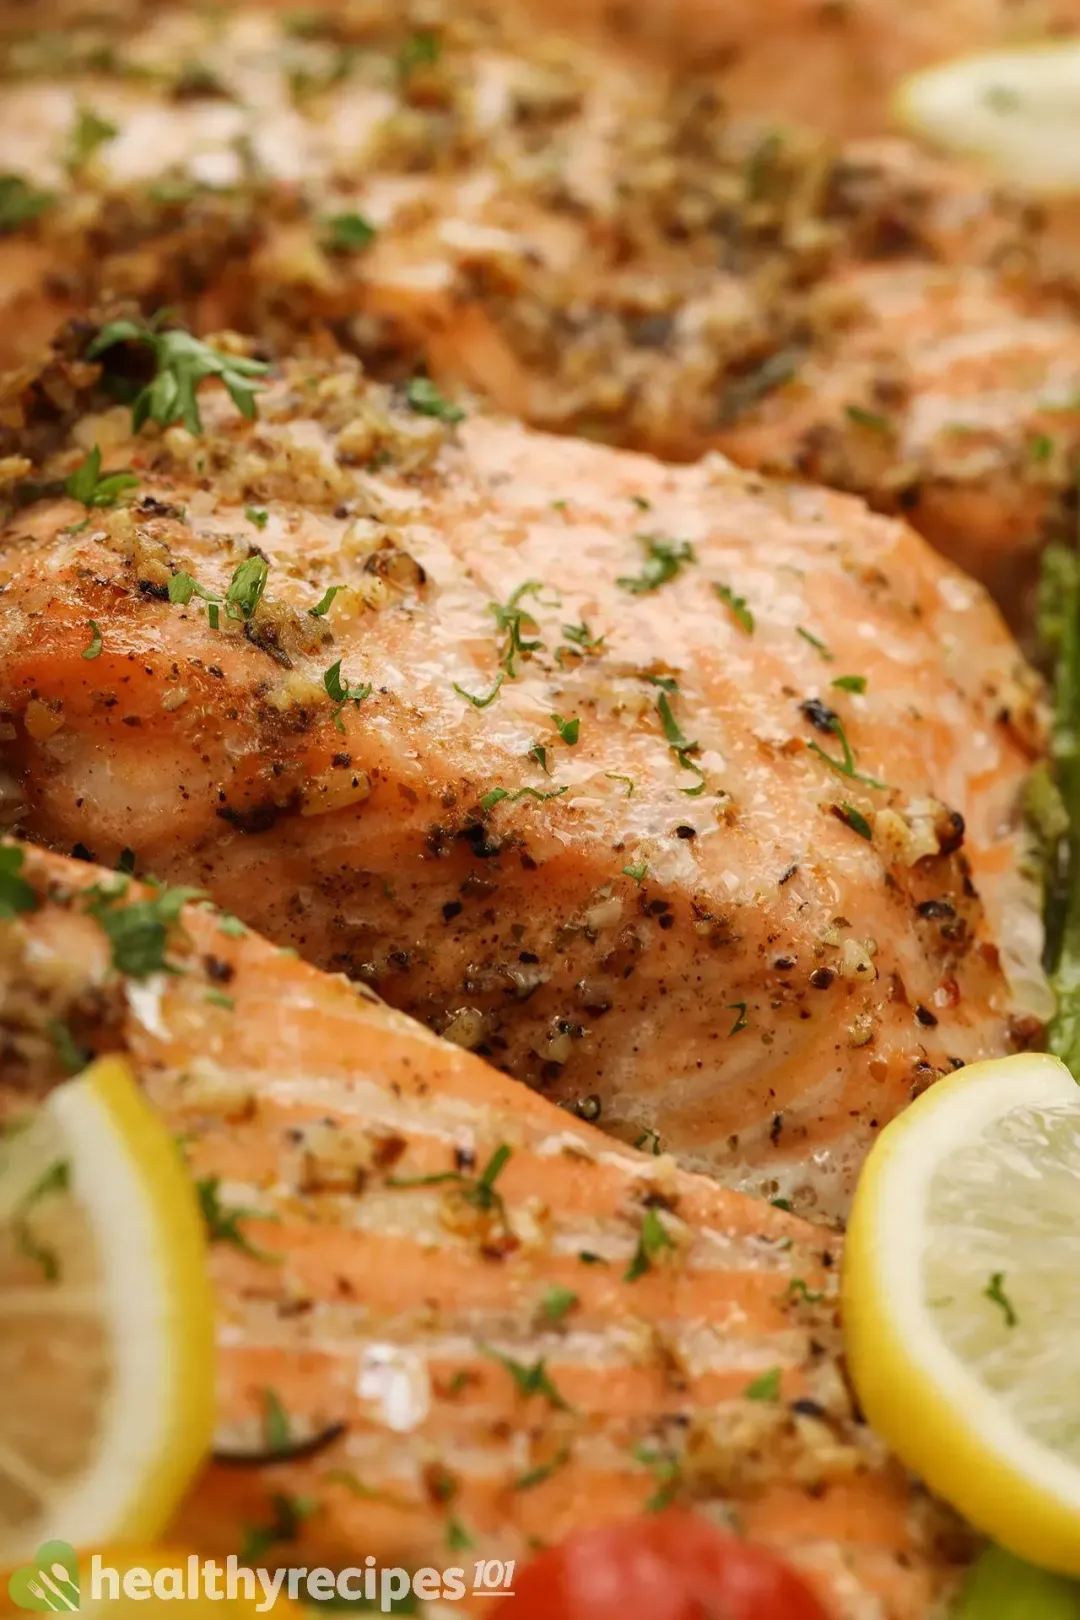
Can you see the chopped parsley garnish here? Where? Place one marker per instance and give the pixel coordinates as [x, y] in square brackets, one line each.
[568, 729]
[69, 1053]
[782, 1203]
[322, 608]
[348, 233]
[86, 484]
[496, 796]
[653, 1237]
[641, 503]
[854, 819]
[218, 998]
[480, 702]
[741, 1021]
[88, 132]
[797, 1289]
[257, 515]
[679, 744]
[556, 1302]
[614, 776]
[665, 1469]
[539, 753]
[850, 683]
[423, 397]
[512, 618]
[458, 1538]
[1041, 447]
[422, 49]
[289, 1513]
[94, 649]
[213, 613]
[537, 1476]
[341, 692]
[222, 1223]
[182, 362]
[20, 203]
[530, 1380]
[818, 645]
[995, 1291]
[246, 587]
[56, 1179]
[581, 636]
[868, 419]
[277, 1430]
[479, 1191]
[649, 1139]
[139, 932]
[231, 925]
[663, 560]
[15, 893]
[182, 587]
[738, 606]
[765, 1388]
[637, 871]
[844, 766]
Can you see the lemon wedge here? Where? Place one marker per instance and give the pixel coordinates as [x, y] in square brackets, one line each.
[961, 1290]
[106, 1327]
[1016, 111]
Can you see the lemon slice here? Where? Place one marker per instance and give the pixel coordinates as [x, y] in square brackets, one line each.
[1017, 111]
[106, 1330]
[961, 1296]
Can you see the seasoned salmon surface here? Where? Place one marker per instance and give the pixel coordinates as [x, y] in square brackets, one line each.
[690, 799]
[596, 245]
[482, 1323]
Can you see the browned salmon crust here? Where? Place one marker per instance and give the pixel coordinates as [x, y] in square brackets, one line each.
[599, 247]
[690, 799]
[392, 1312]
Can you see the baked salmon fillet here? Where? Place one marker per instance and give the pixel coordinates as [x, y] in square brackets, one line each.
[690, 799]
[483, 1324]
[595, 245]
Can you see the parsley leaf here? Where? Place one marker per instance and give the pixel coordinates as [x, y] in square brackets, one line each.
[289, 1513]
[479, 1191]
[56, 1179]
[637, 872]
[814, 641]
[649, 1139]
[679, 744]
[347, 233]
[581, 636]
[513, 618]
[568, 729]
[665, 1469]
[854, 819]
[741, 1021]
[182, 362]
[341, 693]
[868, 419]
[422, 49]
[423, 397]
[20, 203]
[94, 649]
[614, 776]
[556, 1302]
[537, 1476]
[765, 1388]
[86, 484]
[222, 1223]
[850, 683]
[139, 932]
[496, 795]
[15, 893]
[995, 1291]
[663, 560]
[530, 1380]
[797, 1289]
[182, 587]
[70, 1055]
[277, 1430]
[738, 606]
[246, 587]
[652, 1238]
[480, 702]
[257, 515]
[88, 132]
[322, 608]
[846, 765]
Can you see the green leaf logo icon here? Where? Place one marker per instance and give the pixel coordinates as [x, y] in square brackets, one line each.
[49, 1582]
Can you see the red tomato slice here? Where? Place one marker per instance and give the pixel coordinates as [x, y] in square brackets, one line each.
[667, 1566]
